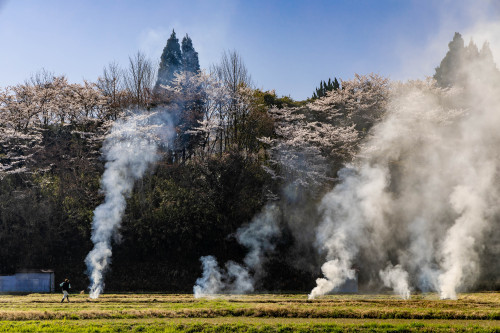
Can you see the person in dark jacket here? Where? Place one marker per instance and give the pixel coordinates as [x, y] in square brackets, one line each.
[65, 289]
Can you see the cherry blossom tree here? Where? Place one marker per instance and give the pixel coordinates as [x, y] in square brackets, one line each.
[301, 149]
[31, 110]
[314, 140]
[361, 101]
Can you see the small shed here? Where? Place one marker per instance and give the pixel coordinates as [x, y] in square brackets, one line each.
[28, 280]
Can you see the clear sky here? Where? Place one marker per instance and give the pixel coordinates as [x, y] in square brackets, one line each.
[287, 45]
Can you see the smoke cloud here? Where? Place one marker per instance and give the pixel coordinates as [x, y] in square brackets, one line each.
[129, 150]
[235, 278]
[396, 277]
[422, 194]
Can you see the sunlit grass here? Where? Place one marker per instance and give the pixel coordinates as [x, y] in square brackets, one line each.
[170, 312]
[245, 324]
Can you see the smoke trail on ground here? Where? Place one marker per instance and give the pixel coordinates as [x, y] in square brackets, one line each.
[396, 278]
[422, 194]
[129, 150]
[357, 203]
[210, 283]
[235, 278]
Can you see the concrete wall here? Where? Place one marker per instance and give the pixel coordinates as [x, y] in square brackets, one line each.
[28, 282]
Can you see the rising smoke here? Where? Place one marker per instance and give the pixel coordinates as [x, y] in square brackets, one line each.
[129, 150]
[413, 210]
[396, 278]
[235, 278]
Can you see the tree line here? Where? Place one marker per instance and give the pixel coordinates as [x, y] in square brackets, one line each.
[236, 148]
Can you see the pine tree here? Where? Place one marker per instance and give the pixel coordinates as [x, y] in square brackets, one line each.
[171, 61]
[321, 90]
[486, 58]
[463, 64]
[329, 86]
[336, 84]
[448, 72]
[182, 59]
[485, 53]
[471, 51]
[325, 87]
[190, 61]
[192, 113]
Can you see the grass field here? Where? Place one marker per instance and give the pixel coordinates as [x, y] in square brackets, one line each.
[251, 313]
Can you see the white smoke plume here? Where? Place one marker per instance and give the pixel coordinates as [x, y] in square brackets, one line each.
[129, 150]
[422, 193]
[396, 277]
[235, 278]
[210, 282]
[356, 204]
[460, 260]
[257, 236]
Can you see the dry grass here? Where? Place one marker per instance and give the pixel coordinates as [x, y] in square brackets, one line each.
[479, 306]
[252, 313]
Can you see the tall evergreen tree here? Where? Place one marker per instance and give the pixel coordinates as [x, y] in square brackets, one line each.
[336, 84]
[177, 58]
[462, 63]
[325, 87]
[192, 112]
[448, 72]
[487, 61]
[190, 61]
[171, 61]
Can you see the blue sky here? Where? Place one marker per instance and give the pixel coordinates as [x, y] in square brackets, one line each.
[288, 46]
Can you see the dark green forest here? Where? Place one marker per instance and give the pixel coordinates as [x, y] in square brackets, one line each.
[236, 149]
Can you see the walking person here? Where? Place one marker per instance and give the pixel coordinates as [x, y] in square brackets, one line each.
[65, 289]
